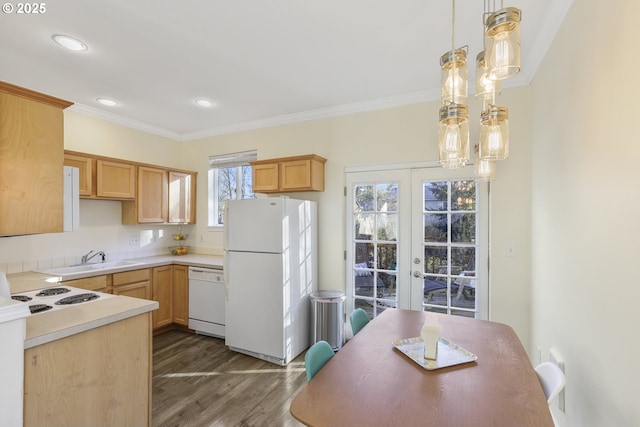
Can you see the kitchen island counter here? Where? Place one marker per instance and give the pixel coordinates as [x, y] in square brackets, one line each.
[47, 327]
[50, 326]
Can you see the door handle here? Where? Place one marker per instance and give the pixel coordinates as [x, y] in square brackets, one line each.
[417, 274]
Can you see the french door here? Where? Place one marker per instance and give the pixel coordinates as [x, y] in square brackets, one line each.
[417, 239]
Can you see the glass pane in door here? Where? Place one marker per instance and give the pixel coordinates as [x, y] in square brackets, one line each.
[375, 245]
[449, 246]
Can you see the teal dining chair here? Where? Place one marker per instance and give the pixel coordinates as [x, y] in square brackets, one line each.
[359, 320]
[316, 357]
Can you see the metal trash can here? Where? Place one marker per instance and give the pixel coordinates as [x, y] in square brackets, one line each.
[327, 308]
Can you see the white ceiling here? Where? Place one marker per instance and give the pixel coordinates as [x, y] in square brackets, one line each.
[264, 62]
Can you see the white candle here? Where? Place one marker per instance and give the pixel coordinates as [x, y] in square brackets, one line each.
[430, 336]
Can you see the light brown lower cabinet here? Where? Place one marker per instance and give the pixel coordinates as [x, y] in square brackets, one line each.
[135, 283]
[101, 377]
[162, 291]
[95, 283]
[181, 295]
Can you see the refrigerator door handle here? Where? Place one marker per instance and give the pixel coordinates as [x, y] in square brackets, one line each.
[225, 227]
[225, 274]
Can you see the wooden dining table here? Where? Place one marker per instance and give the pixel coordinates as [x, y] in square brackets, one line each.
[369, 382]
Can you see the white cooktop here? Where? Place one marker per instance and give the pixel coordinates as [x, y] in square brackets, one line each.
[51, 300]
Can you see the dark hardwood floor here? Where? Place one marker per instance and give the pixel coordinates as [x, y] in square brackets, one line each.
[199, 382]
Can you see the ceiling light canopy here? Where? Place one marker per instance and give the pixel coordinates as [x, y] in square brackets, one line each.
[69, 42]
[107, 101]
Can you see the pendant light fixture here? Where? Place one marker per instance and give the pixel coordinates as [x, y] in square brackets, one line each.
[494, 133]
[485, 169]
[453, 128]
[486, 88]
[454, 76]
[453, 135]
[502, 43]
[499, 60]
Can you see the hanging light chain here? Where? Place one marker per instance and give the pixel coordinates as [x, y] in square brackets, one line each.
[453, 47]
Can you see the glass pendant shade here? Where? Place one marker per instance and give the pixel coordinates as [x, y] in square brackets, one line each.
[485, 169]
[453, 135]
[494, 133]
[485, 87]
[502, 41]
[454, 76]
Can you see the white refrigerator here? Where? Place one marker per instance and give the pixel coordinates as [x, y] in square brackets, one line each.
[270, 272]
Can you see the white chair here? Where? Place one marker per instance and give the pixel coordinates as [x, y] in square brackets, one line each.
[551, 379]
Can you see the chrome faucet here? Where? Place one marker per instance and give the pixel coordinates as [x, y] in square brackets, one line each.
[91, 254]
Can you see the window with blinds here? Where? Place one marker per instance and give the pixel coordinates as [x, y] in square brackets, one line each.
[229, 178]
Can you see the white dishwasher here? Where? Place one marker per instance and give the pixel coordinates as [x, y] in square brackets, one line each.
[207, 301]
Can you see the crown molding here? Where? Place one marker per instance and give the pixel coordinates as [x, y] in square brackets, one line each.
[96, 113]
[285, 119]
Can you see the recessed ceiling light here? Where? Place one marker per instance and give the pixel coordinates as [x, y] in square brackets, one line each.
[69, 42]
[204, 103]
[106, 101]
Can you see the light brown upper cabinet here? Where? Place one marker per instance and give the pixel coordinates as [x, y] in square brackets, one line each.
[115, 180]
[86, 168]
[182, 197]
[151, 203]
[285, 174]
[103, 178]
[149, 193]
[31, 160]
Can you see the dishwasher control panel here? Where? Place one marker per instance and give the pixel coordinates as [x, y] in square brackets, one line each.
[206, 274]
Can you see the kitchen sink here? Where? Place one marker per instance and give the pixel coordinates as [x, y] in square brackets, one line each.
[84, 268]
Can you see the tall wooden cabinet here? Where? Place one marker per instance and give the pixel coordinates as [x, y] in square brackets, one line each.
[31, 160]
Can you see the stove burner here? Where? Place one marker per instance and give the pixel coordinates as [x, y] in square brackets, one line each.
[22, 298]
[76, 299]
[52, 291]
[39, 308]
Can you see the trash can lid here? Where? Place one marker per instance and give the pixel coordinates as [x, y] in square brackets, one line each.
[328, 296]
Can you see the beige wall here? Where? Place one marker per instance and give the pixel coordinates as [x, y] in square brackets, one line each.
[584, 204]
[393, 136]
[564, 201]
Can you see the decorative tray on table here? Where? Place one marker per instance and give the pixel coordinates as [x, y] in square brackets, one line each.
[449, 354]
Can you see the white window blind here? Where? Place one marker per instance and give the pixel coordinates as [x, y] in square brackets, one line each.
[233, 159]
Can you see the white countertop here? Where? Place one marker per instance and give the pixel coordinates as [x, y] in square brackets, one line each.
[12, 310]
[50, 326]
